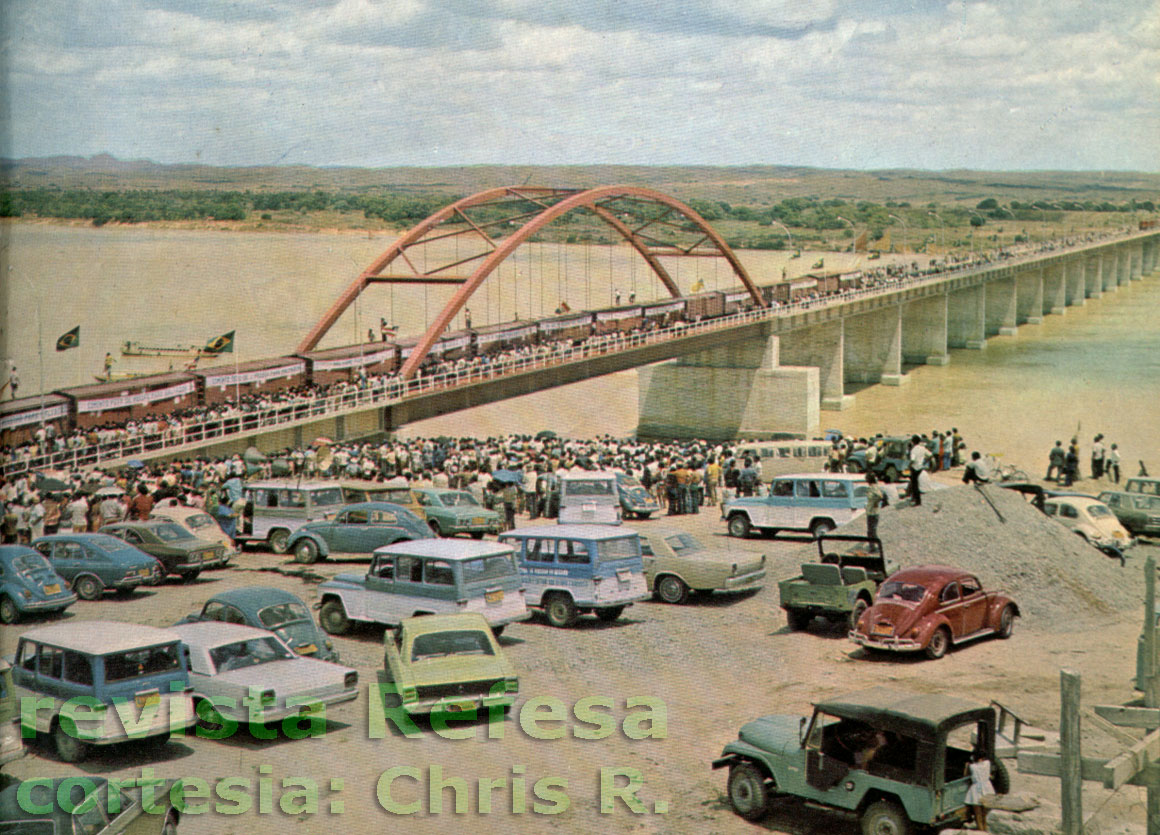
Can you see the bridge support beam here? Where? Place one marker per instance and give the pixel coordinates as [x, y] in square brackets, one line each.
[1123, 265]
[823, 347]
[1074, 272]
[1137, 268]
[1029, 297]
[1002, 307]
[924, 331]
[1093, 269]
[873, 347]
[739, 389]
[967, 318]
[1150, 249]
[1107, 271]
[1055, 289]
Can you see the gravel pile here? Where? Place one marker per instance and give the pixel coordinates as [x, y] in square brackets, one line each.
[1059, 581]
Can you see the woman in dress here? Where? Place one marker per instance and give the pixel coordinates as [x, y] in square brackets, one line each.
[979, 770]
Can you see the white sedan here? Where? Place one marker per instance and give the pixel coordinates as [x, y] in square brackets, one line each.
[243, 675]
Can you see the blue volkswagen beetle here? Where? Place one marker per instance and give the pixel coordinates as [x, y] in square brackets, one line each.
[94, 562]
[272, 609]
[357, 529]
[28, 585]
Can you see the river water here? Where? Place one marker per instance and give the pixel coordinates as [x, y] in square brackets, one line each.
[1094, 369]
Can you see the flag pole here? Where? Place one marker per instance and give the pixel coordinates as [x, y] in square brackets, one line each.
[40, 354]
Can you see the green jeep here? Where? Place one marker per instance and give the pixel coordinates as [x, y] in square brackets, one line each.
[896, 760]
[840, 587]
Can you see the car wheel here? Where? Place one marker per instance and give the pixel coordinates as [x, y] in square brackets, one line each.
[68, 748]
[88, 588]
[435, 529]
[885, 817]
[333, 618]
[207, 716]
[739, 525]
[821, 527]
[498, 630]
[306, 551]
[853, 467]
[477, 535]
[747, 792]
[1000, 777]
[560, 610]
[190, 576]
[891, 473]
[940, 642]
[610, 614]
[279, 541]
[8, 611]
[672, 589]
[797, 621]
[860, 606]
[1007, 622]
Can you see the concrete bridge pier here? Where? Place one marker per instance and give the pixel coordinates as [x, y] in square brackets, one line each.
[721, 393]
[873, 349]
[822, 346]
[1055, 289]
[1150, 255]
[1107, 271]
[1029, 297]
[967, 318]
[1002, 307]
[1137, 268]
[924, 331]
[1074, 271]
[1123, 265]
[1093, 269]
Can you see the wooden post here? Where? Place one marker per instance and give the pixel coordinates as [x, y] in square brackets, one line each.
[1071, 762]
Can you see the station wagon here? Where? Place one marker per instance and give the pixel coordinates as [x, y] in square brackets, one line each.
[427, 577]
[1138, 512]
[576, 569]
[136, 676]
[589, 498]
[275, 509]
[85, 806]
[814, 502]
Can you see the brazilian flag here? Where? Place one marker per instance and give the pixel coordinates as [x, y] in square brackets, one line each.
[221, 344]
[69, 340]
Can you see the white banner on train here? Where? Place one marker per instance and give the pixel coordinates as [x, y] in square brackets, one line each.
[260, 376]
[35, 416]
[353, 362]
[737, 296]
[139, 399]
[654, 309]
[452, 344]
[614, 315]
[560, 324]
[512, 333]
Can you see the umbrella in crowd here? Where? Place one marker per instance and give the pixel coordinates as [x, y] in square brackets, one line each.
[48, 484]
[508, 476]
[135, 464]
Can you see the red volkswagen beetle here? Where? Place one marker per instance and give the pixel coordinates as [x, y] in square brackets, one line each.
[931, 607]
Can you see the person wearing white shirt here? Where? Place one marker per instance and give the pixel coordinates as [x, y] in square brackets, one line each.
[918, 458]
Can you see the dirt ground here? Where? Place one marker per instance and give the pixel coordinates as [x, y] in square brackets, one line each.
[712, 664]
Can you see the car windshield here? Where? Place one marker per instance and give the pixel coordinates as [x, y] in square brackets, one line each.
[453, 642]
[239, 654]
[1098, 511]
[901, 591]
[617, 549]
[110, 544]
[274, 616]
[458, 499]
[30, 562]
[170, 532]
[329, 496]
[400, 495]
[199, 520]
[138, 663]
[684, 544]
[489, 568]
[590, 487]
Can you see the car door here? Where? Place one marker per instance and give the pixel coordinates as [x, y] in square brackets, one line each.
[974, 605]
[344, 532]
[387, 587]
[950, 606]
[807, 496]
[776, 510]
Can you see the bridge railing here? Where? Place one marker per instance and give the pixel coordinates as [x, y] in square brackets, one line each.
[383, 391]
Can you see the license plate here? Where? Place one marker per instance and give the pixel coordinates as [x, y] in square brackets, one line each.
[495, 596]
[307, 649]
[624, 576]
[478, 520]
[52, 588]
[882, 629]
[143, 700]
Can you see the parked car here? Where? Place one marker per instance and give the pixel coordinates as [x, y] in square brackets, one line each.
[892, 462]
[896, 760]
[197, 522]
[1092, 520]
[1147, 485]
[11, 744]
[450, 512]
[635, 501]
[931, 607]
[28, 585]
[266, 607]
[356, 529]
[570, 570]
[677, 563]
[229, 661]
[178, 551]
[276, 508]
[589, 498]
[813, 502]
[447, 664]
[110, 663]
[427, 577]
[84, 807]
[93, 563]
[839, 587]
[396, 491]
[1139, 513]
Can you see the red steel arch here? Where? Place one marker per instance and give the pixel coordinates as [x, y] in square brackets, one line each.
[555, 203]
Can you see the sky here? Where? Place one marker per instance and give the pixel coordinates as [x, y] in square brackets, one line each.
[862, 84]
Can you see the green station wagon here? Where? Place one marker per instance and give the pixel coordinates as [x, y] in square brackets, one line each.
[450, 512]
